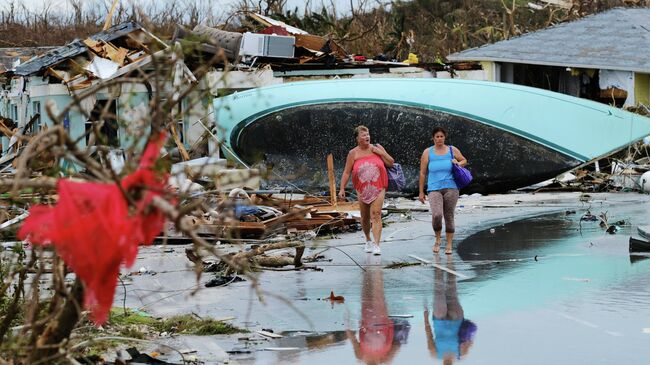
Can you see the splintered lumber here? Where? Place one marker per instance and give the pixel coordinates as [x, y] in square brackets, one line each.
[251, 230]
[4, 129]
[117, 55]
[109, 17]
[317, 43]
[459, 275]
[181, 148]
[241, 259]
[267, 247]
[94, 45]
[281, 261]
[283, 202]
[340, 207]
[613, 92]
[317, 220]
[107, 50]
[332, 181]
[233, 230]
[269, 334]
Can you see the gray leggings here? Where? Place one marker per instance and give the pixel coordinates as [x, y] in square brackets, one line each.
[443, 202]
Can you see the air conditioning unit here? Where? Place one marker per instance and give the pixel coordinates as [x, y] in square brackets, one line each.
[266, 45]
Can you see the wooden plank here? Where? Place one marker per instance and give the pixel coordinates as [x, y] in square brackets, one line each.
[181, 148]
[420, 259]
[613, 92]
[55, 74]
[4, 129]
[259, 19]
[330, 174]
[94, 45]
[341, 207]
[310, 41]
[459, 275]
[109, 17]
[400, 316]
[282, 349]
[132, 42]
[269, 334]
[115, 54]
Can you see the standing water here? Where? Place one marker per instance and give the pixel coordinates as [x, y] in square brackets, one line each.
[547, 290]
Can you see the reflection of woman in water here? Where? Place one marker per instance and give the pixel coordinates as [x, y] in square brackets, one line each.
[380, 337]
[453, 333]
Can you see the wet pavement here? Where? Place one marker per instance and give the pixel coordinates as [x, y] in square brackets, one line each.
[535, 285]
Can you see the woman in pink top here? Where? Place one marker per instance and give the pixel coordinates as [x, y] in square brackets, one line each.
[367, 163]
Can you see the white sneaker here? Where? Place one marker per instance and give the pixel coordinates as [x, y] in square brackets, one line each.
[376, 250]
[367, 247]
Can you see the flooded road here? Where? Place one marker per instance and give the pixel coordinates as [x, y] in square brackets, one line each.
[546, 290]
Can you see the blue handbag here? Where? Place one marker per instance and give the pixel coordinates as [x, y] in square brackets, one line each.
[462, 176]
[396, 179]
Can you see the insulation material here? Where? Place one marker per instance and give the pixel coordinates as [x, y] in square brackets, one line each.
[623, 80]
[102, 67]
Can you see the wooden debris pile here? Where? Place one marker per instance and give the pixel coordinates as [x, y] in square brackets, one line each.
[265, 216]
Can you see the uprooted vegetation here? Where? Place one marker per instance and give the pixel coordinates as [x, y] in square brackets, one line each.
[86, 228]
[430, 28]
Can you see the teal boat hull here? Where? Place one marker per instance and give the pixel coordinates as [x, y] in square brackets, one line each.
[513, 136]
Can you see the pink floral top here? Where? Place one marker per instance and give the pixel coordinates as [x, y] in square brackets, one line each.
[369, 177]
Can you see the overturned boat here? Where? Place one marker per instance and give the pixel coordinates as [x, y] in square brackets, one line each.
[639, 245]
[512, 136]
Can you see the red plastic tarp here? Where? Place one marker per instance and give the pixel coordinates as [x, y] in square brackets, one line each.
[94, 229]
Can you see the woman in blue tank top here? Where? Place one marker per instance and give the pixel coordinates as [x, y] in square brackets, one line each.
[452, 335]
[441, 189]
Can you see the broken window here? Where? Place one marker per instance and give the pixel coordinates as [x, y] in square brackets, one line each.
[180, 129]
[104, 114]
[36, 111]
[14, 112]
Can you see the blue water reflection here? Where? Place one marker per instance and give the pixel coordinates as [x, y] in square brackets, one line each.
[546, 290]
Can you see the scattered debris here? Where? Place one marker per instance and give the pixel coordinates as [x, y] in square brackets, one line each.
[268, 333]
[282, 348]
[399, 265]
[459, 275]
[223, 281]
[639, 245]
[588, 217]
[335, 298]
[139, 358]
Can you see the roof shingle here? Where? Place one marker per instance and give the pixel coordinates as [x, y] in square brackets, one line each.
[618, 39]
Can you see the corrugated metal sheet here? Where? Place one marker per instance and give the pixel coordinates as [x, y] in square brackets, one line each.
[618, 39]
[73, 49]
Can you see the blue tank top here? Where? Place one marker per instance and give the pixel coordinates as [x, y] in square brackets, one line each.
[439, 171]
[446, 334]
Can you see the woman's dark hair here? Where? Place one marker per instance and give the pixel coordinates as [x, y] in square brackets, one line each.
[438, 129]
[359, 129]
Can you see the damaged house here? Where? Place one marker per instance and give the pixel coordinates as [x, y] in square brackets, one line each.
[278, 53]
[603, 57]
[61, 75]
[108, 68]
